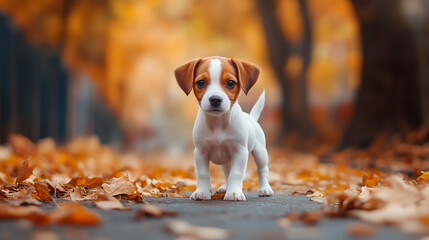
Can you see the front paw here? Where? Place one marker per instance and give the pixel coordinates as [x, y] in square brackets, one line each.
[234, 196]
[201, 196]
[265, 192]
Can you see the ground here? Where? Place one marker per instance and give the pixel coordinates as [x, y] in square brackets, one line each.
[59, 187]
[257, 218]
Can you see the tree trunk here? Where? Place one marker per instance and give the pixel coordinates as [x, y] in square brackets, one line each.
[295, 114]
[421, 24]
[393, 73]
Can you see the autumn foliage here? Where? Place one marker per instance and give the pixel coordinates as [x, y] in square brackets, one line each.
[127, 46]
[129, 50]
[85, 170]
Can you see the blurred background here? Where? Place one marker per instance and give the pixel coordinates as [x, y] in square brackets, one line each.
[336, 72]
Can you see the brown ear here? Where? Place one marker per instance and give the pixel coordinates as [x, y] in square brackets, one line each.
[247, 74]
[185, 75]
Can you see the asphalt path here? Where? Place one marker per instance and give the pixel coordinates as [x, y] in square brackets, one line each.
[256, 218]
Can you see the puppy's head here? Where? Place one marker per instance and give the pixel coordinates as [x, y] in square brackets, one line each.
[216, 81]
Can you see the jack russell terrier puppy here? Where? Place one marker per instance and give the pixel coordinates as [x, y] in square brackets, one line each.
[223, 133]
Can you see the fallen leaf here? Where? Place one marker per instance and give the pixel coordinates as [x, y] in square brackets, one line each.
[308, 218]
[22, 146]
[150, 210]
[218, 196]
[113, 204]
[135, 197]
[23, 196]
[88, 182]
[24, 172]
[284, 222]
[175, 193]
[41, 220]
[318, 199]
[189, 188]
[361, 229]
[424, 176]
[55, 185]
[184, 229]
[118, 186]
[75, 214]
[42, 191]
[369, 180]
[45, 235]
[311, 218]
[76, 196]
[11, 212]
[24, 201]
[293, 216]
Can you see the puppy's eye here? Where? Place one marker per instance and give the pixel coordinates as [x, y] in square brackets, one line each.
[201, 83]
[230, 84]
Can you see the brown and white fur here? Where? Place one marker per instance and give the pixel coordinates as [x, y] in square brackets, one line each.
[223, 133]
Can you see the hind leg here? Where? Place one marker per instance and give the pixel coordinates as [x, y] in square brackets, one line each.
[261, 158]
[226, 169]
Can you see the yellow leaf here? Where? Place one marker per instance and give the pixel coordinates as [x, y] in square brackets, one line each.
[424, 176]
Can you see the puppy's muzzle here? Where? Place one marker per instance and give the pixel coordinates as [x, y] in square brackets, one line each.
[215, 101]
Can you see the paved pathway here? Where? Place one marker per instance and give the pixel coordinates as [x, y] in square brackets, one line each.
[254, 219]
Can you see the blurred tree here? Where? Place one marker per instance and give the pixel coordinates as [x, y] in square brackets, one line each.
[35, 84]
[393, 93]
[290, 59]
[124, 46]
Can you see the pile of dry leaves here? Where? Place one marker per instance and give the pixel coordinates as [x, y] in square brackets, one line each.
[85, 170]
[388, 184]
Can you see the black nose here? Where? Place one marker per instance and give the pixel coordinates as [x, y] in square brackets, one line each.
[215, 101]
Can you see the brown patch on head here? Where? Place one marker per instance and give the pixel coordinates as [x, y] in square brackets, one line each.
[202, 73]
[242, 73]
[247, 73]
[185, 75]
[229, 73]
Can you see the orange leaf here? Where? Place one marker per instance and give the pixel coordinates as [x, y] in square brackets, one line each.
[40, 219]
[42, 191]
[94, 182]
[89, 182]
[10, 212]
[149, 210]
[361, 229]
[311, 218]
[248, 185]
[112, 204]
[22, 146]
[75, 214]
[338, 188]
[179, 173]
[136, 197]
[189, 188]
[369, 180]
[163, 185]
[117, 186]
[218, 196]
[24, 172]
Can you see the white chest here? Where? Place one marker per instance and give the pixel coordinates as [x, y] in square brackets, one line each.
[221, 137]
[219, 146]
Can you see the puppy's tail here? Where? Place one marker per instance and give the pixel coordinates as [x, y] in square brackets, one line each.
[256, 111]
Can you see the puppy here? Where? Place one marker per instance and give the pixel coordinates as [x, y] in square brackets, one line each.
[223, 133]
